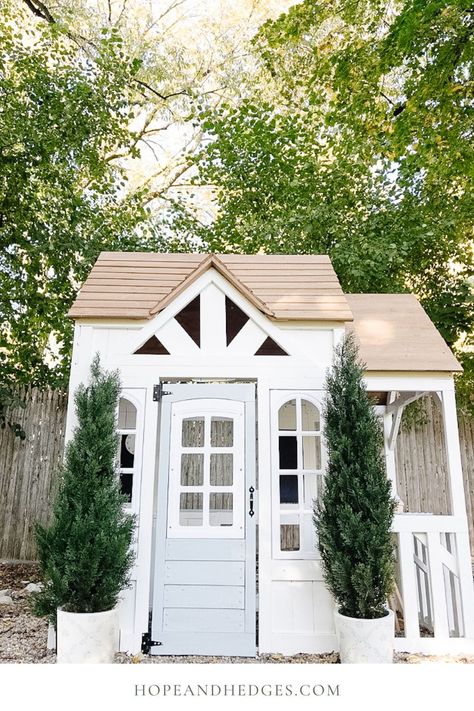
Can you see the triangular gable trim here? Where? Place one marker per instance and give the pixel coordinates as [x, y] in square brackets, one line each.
[212, 261]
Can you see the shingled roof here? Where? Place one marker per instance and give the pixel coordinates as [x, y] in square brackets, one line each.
[393, 330]
[395, 334]
[137, 285]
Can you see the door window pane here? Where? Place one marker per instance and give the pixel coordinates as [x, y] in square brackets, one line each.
[288, 489]
[287, 416]
[288, 452]
[222, 432]
[190, 510]
[222, 470]
[221, 509]
[311, 453]
[290, 537]
[193, 432]
[310, 420]
[192, 469]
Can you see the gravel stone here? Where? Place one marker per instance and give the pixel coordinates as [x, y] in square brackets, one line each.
[5, 600]
[33, 587]
[23, 636]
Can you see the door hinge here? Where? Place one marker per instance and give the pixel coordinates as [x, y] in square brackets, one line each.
[148, 643]
[158, 392]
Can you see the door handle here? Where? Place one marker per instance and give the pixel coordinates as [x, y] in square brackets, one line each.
[251, 511]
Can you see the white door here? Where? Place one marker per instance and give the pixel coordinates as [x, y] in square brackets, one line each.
[204, 578]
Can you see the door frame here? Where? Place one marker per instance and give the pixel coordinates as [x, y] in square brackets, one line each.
[177, 392]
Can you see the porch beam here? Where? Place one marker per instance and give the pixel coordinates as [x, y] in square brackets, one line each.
[395, 409]
[403, 400]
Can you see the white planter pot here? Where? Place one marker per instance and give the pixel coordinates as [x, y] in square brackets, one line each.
[365, 641]
[87, 637]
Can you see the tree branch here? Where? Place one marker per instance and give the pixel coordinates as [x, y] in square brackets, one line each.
[39, 9]
[164, 97]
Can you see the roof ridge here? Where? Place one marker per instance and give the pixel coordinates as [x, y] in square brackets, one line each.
[211, 260]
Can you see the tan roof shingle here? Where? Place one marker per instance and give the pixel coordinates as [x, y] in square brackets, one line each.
[395, 333]
[287, 287]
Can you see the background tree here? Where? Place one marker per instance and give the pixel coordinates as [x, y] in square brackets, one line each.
[61, 202]
[354, 514]
[98, 104]
[357, 141]
[84, 554]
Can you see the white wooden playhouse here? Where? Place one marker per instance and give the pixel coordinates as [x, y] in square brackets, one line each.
[222, 361]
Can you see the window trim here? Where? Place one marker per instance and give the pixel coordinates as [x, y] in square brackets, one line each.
[136, 396]
[278, 399]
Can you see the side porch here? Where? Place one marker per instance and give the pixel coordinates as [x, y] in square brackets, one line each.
[434, 598]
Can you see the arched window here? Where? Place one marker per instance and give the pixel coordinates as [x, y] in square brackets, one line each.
[300, 474]
[127, 428]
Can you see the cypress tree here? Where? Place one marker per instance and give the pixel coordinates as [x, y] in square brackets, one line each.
[354, 514]
[84, 553]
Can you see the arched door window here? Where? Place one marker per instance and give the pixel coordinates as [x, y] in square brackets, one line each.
[299, 475]
[127, 428]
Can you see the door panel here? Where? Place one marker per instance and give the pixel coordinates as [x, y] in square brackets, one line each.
[204, 578]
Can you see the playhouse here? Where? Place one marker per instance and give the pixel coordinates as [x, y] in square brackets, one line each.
[222, 361]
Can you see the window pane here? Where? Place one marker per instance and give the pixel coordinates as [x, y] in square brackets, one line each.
[288, 489]
[127, 451]
[222, 470]
[126, 484]
[311, 453]
[312, 488]
[190, 510]
[288, 452]
[289, 537]
[192, 469]
[127, 419]
[193, 432]
[222, 432]
[287, 416]
[310, 420]
[221, 509]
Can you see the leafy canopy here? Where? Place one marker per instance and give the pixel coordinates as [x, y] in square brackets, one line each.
[61, 199]
[357, 141]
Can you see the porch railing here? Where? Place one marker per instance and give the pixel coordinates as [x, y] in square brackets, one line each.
[435, 584]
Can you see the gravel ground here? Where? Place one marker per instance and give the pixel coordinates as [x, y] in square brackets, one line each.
[23, 636]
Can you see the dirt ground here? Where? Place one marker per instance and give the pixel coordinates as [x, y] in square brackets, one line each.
[23, 636]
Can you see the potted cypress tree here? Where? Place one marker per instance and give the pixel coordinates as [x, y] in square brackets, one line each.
[84, 553]
[354, 515]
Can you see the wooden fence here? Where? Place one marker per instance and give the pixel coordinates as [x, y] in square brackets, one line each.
[28, 468]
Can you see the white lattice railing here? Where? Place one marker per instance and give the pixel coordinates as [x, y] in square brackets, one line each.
[436, 584]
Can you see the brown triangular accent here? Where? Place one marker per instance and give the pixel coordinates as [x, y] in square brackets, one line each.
[270, 348]
[212, 260]
[235, 319]
[189, 318]
[152, 347]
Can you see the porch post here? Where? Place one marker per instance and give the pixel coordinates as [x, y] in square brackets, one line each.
[390, 455]
[458, 503]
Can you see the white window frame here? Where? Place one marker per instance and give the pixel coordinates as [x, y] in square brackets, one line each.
[207, 408]
[136, 397]
[296, 512]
